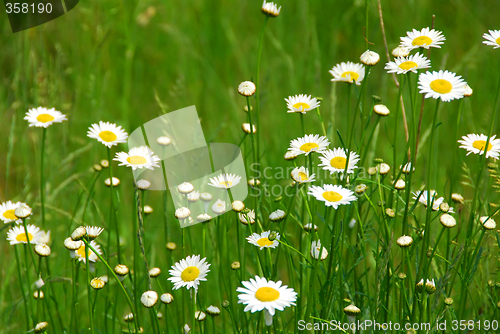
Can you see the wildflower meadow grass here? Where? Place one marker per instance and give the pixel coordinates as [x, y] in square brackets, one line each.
[368, 131]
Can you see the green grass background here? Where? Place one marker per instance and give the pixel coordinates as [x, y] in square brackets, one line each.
[97, 63]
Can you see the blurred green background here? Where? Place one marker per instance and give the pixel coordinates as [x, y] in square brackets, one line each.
[118, 61]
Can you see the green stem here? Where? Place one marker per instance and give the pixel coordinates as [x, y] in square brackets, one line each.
[22, 288]
[42, 178]
[91, 315]
[112, 214]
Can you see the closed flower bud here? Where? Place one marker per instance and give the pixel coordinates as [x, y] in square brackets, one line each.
[272, 236]
[404, 241]
[225, 303]
[41, 327]
[42, 250]
[448, 301]
[369, 58]
[23, 211]
[235, 265]
[390, 212]
[154, 272]
[360, 189]
[381, 110]
[171, 246]
[79, 233]
[167, 298]
[238, 206]
[213, 310]
[149, 298]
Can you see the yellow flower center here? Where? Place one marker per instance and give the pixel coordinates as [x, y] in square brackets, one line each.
[407, 65]
[441, 86]
[267, 294]
[480, 144]
[81, 252]
[332, 196]
[107, 136]
[44, 118]
[498, 40]
[226, 184]
[21, 237]
[190, 274]
[264, 242]
[422, 40]
[9, 214]
[136, 160]
[301, 105]
[353, 76]
[308, 146]
[338, 162]
[302, 176]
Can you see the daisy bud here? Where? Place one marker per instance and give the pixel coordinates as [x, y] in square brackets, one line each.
[447, 220]
[93, 232]
[143, 184]
[277, 216]
[116, 182]
[270, 9]
[225, 303]
[37, 295]
[360, 188]
[406, 168]
[404, 241]
[39, 283]
[381, 110]
[467, 91]
[159, 315]
[238, 206]
[390, 212]
[445, 207]
[235, 265]
[97, 167]
[186, 329]
[448, 301]
[376, 99]
[128, 317]
[41, 327]
[23, 211]
[71, 244]
[399, 184]
[213, 311]
[104, 163]
[247, 88]
[245, 108]
[246, 128]
[104, 278]
[171, 246]
[206, 197]
[182, 213]
[290, 156]
[372, 171]
[272, 236]
[383, 168]
[488, 223]
[149, 298]
[200, 315]
[167, 298]
[203, 218]
[308, 227]
[430, 287]
[457, 198]
[42, 250]
[185, 188]
[352, 310]
[400, 51]
[318, 251]
[420, 286]
[97, 283]
[121, 270]
[148, 210]
[79, 233]
[163, 140]
[254, 182]
[369, 58]
[402, 276]
[154, 272]
[279, 198]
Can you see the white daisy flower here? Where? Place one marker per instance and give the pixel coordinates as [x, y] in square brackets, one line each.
[80, 252]
[93, 231]
[369, 58]
[332, 195]
[335, 160]
[138, 157]
[17, 234]
[193, 196]
[475, 143]
[108, 134]
[402, 65]
[7, 210]
[424, 38]
[308, 144]
[435, 201]
[262, 240]
[244, 217]
[247, 88]
[301, 175]
[277, 215]
[317, 249]
[43, 118]
[189, 272]
[444, 85]
[301, 103]
[224, 181]
[259, 294]
[270, 9]
[493, 38]
[348, 72]
[219, 207]
[400, 51]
